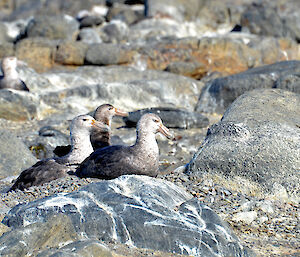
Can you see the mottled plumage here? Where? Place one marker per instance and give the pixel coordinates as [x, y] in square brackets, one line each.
[142, 158]
[104, 113]
[53, 168]
[99, 138]
[10, 78]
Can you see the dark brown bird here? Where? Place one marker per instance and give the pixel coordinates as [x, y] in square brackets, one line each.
[99, 138]
[10, 78]
[142, 158]
[50, 169]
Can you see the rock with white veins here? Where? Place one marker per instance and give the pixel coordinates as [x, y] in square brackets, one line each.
[137, 210]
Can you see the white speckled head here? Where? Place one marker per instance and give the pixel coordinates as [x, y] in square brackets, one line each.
[151, 123]
[80, 131]
[105, 112]
[86, 123]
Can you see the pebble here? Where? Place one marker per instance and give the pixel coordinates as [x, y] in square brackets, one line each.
[247, 216]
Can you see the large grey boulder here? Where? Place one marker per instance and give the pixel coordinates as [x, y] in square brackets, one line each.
[53, 27]
[274, 18]
[190, 10]
[136, 210]
[218, 94]
[108, 54]
[125, 87]
[18, 105]
[171, 117]
[255, 147]
[15, 156]
[87, 247]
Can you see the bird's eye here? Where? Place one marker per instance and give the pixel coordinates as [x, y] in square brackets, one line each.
[155, 120]
[85, 119]
[110, 108]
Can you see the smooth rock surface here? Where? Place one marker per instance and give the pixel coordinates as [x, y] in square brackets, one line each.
[138, 210]
[172, 118]
[255, 146]
[219, 93]
[108, 54]
[79, 248]
[37, 52]
[15, 156]
[18, 105]
[53, 27]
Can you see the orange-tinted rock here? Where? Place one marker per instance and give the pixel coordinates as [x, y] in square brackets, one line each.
[6, 49]
[71, 53]
[227, 55]
[37, 52]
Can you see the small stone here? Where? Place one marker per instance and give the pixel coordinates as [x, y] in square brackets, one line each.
[246, 217]
[263, 219]
[266, 206]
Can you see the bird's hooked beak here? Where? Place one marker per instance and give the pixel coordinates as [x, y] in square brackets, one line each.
[165, 131]
[122, 113]
[100, 125]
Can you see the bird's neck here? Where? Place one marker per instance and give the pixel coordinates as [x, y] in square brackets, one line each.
[81, 147]
[105, 120]
[10, 73]
[146, 141]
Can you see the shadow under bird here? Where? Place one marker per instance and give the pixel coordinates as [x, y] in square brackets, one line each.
[142, 158]
[10, 78]
[53, 168]
[99, 138]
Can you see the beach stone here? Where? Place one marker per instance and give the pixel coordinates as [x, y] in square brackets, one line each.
[171, 117]
[218, 94]
[6, 49]
[15, 156]
[91, 21]
[108, 54]
[18, 105]
[190, 69]
[227, 55]
[135, 90]
[266, 20]
[125, 13]
[114, 32]
[138, 210]
[3, 33]
[189, 10]
[58, 230]
[36, 82]
[53, 27]
[16, 29]
[89, 36]
[71, 53]
[85, 247]
[247, 217]
[43, 144]
[290, 82]
[38, 53]
[255, 147]
[263, 20]
[27, 8]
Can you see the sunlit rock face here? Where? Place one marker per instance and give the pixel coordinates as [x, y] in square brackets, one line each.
[139, 211]
[255, 146]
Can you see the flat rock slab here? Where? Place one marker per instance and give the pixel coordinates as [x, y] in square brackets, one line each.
[15, 156]
[171, 117]
[218, 94]
[255, 147]
[137, 210]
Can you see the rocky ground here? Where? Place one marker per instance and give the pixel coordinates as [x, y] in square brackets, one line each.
[269, 227]
[167, 55]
